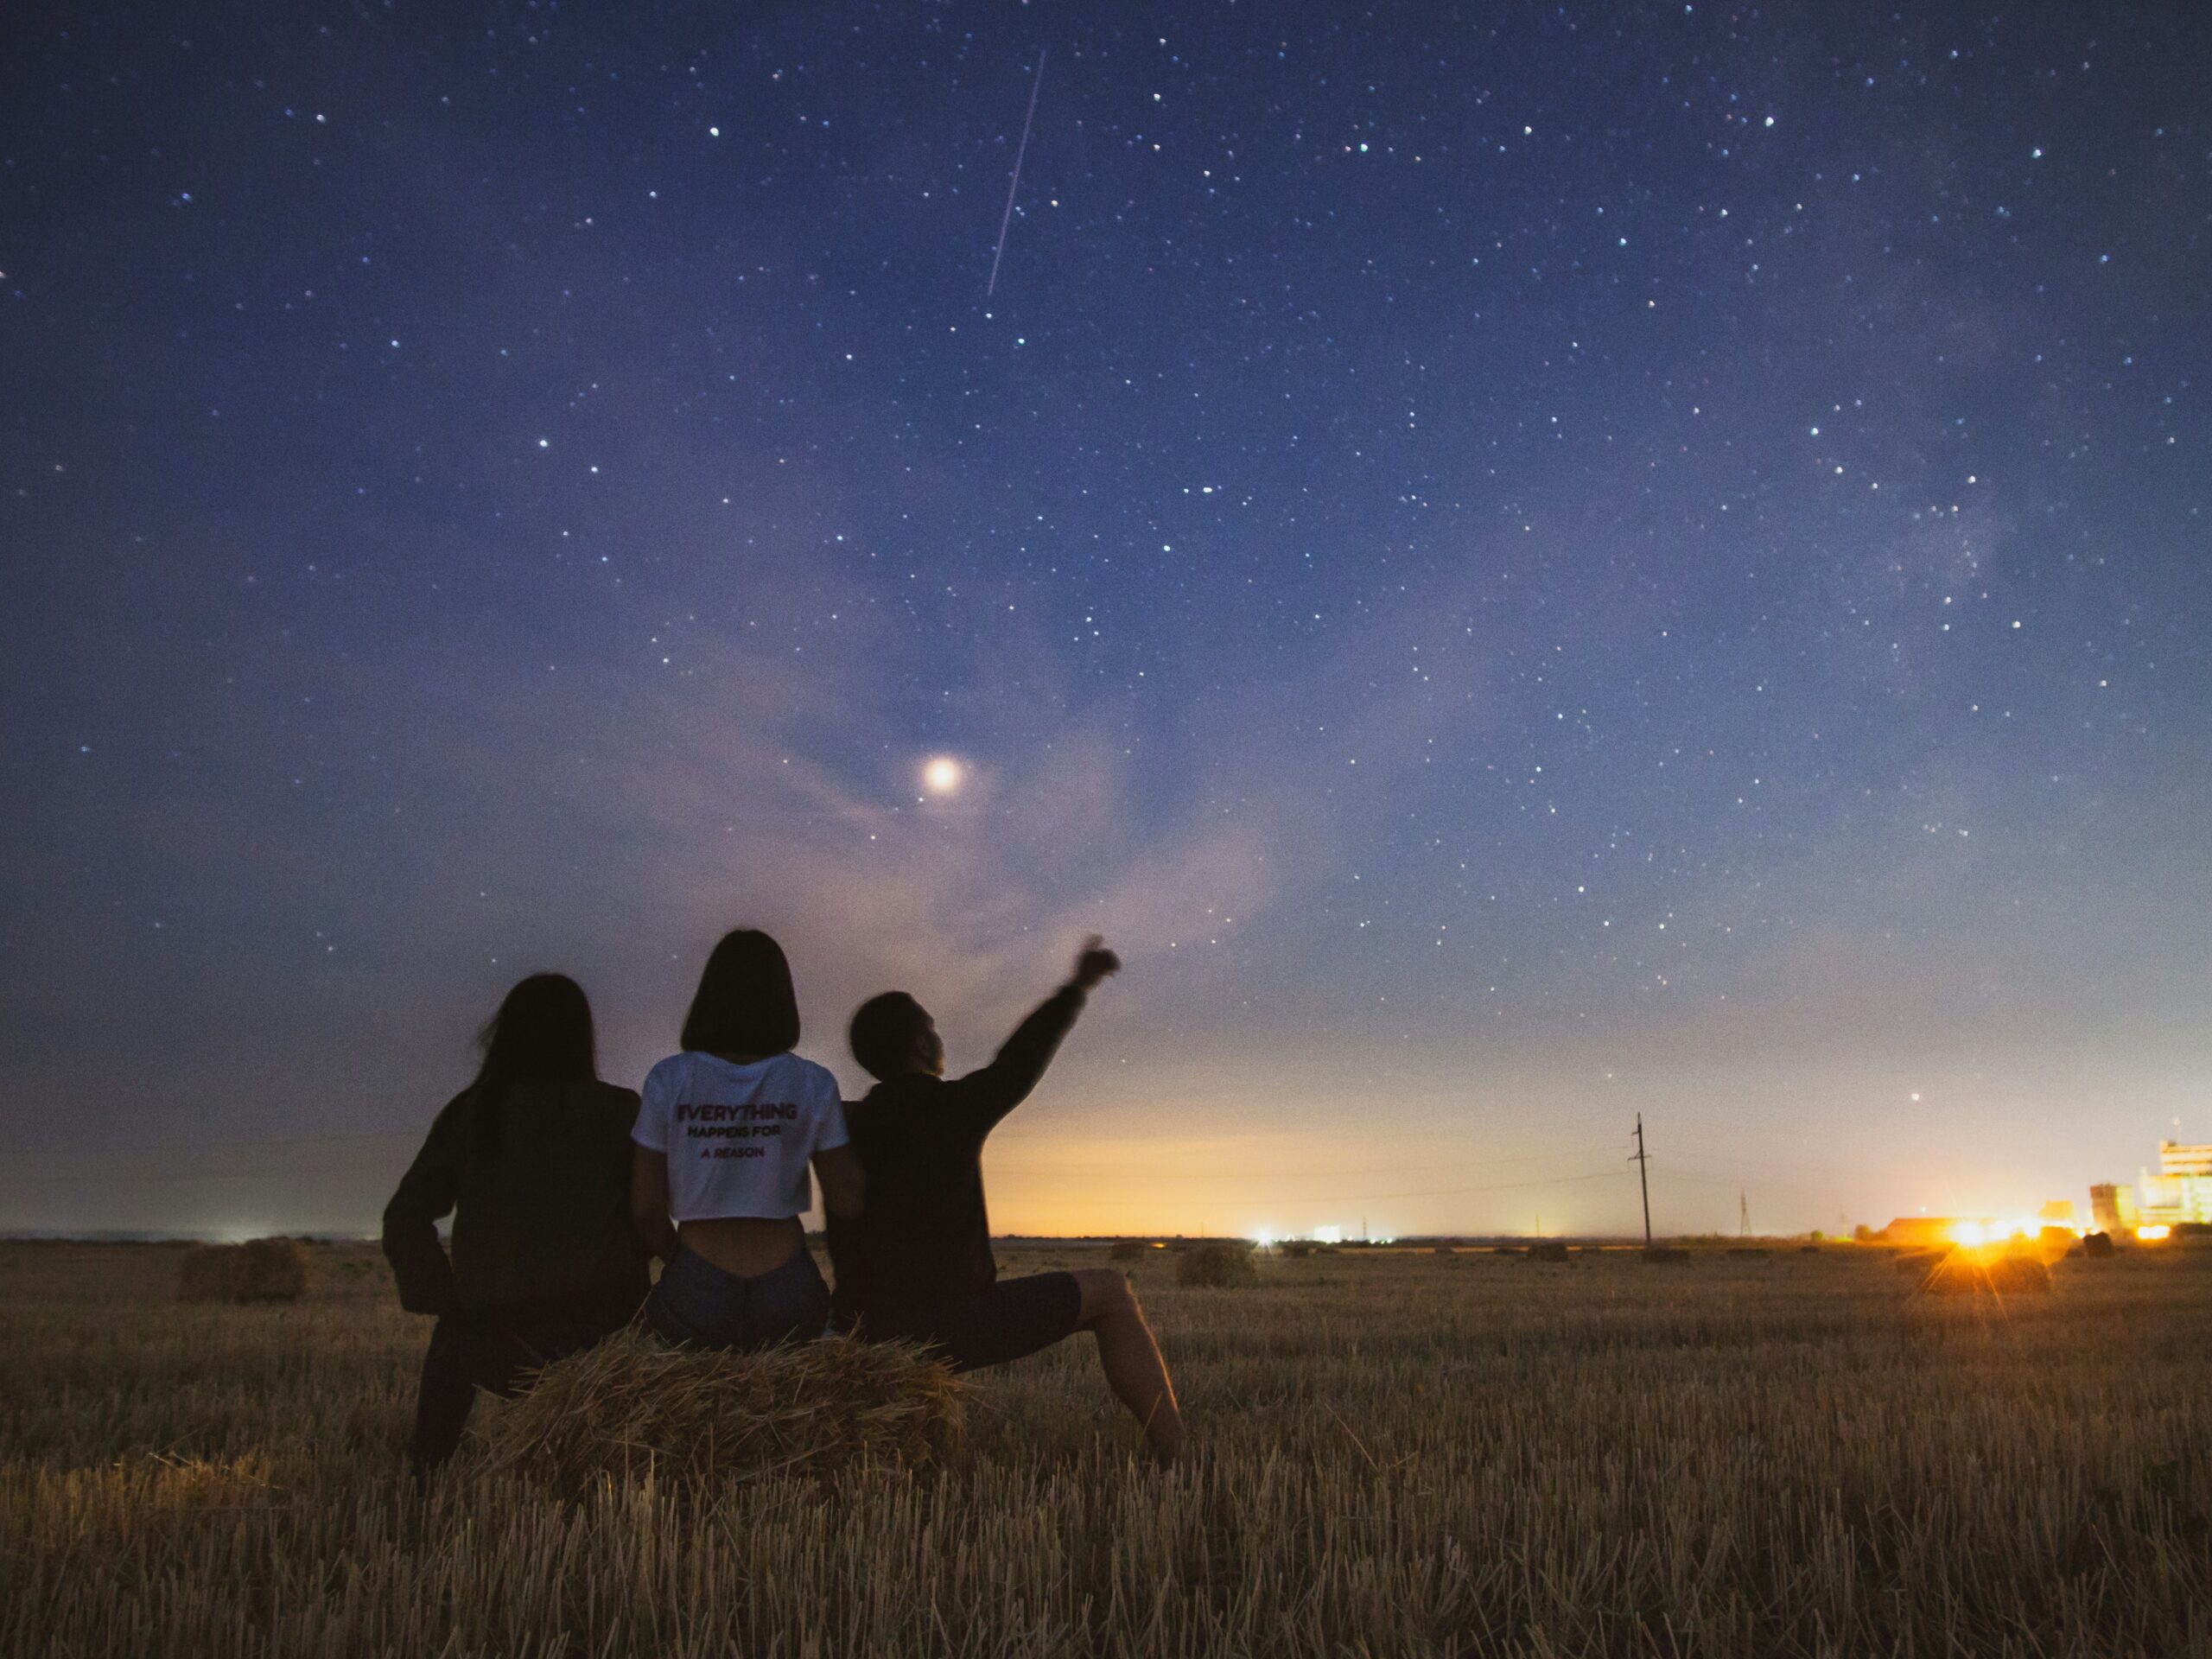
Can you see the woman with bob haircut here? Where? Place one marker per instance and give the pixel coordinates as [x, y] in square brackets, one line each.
[727, 1132]
[531, 1161]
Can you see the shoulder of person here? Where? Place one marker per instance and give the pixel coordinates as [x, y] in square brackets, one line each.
[817, 1078]
[666, 1073]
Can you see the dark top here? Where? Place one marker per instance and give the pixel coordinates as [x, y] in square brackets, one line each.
[924, 1236]
[537, 1181]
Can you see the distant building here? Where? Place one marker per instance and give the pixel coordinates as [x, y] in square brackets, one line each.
[2113, 1207]
[2181, 1191]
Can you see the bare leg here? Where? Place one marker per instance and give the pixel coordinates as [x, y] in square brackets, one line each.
[1130, 1358]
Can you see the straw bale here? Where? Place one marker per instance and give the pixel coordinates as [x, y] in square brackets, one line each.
[259, 1270]
[1217, 1265]
[1963, 1273]
[634, 1403]
[2096, 1244]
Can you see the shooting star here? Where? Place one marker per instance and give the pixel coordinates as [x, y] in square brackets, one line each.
[1036, 84]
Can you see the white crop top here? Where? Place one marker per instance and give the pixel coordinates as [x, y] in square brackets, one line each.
[738, 1137]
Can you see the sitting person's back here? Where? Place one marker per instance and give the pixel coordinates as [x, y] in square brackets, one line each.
[926, 1236]
[543, 1210]
[532, 1161]
[729, 1136]
[916, 1264]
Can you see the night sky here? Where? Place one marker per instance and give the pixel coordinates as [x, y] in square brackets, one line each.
[1524, 564]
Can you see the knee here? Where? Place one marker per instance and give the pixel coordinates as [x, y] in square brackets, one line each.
[1105, 1291]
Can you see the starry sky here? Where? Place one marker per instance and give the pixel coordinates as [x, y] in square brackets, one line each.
[1526, 563]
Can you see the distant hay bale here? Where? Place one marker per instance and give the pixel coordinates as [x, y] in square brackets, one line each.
[1962, 1273]
[1129, 1250]
[1548, 1250]
[259, 1270]
[2096, 1244]
[1216, 1266]
[633, 1403]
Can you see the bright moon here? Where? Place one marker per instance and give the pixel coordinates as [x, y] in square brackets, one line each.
[941, 776]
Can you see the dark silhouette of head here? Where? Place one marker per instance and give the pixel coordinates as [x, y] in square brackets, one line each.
[893, 1035]
[744, 1004]
[542, 1032]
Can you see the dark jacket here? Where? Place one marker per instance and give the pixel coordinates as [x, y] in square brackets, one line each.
[925, 1237]
[537, 1180]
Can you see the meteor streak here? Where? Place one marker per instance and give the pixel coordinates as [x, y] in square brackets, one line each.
[1036, 82]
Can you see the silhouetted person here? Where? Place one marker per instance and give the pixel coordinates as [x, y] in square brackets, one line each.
[917, 1263]
[532, 1161]
[725, 1136]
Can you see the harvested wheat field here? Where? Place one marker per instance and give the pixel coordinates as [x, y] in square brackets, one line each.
[1395, 1454]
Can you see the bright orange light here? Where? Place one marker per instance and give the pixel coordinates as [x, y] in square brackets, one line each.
[1970, 1233]
[2154, 1232]
[941, 775]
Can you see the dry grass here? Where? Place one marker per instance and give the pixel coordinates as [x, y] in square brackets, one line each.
[1795, 1456]
[631, 1404]
[259, 1270]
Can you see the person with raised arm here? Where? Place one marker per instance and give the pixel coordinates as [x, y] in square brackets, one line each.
[917, 1263]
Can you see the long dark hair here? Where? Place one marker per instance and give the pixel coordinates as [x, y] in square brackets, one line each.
[744, 1003]
[542, 1032]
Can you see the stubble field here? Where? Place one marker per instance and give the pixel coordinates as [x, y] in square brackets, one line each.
[1395, 1454]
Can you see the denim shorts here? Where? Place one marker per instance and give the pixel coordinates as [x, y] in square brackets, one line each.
[696, 1302]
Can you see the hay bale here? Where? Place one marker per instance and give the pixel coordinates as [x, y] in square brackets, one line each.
[1962, 1273]
[1127, 1249]
[2096, 1244]
[1217, 1266]
[259, 1270]
[634, 1403]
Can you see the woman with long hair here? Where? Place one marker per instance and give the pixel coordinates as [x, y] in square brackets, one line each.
[726, 1133]
[531, 1160]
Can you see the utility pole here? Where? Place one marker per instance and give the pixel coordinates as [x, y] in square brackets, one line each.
[1643, 1176]
[1743, 1213]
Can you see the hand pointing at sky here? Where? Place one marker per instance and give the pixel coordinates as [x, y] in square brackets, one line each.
[1094, 964]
